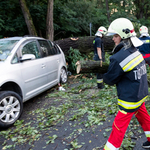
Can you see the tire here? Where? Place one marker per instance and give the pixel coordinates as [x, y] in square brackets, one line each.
[11, 107]
[63, 76]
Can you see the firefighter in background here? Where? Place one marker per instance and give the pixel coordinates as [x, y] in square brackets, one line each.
[127, 70]
[99, 53]
[145, 48]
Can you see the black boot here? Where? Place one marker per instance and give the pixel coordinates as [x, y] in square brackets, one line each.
[100, 85]
[146, 144]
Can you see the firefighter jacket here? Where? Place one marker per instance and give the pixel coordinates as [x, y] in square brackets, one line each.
[145, 47]
[128, 71]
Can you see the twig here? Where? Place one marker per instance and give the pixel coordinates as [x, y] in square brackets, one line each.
[55, 147]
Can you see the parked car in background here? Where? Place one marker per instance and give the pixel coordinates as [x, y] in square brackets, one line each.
[29, 66]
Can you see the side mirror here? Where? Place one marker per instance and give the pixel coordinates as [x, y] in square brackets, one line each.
[26, 57]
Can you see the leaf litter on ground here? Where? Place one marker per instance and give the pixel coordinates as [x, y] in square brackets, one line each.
[82, 104]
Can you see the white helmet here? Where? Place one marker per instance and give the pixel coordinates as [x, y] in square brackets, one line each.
[101, 30]
[125, 29]
[143, 31]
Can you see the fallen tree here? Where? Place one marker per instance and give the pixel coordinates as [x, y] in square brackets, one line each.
[91, 66]
[84, 44]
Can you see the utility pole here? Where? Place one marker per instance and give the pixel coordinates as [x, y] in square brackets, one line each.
[90, 29]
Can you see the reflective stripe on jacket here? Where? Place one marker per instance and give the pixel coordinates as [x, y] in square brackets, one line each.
[128, 71]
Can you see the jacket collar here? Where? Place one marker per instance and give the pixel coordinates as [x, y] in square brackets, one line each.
[123, 44]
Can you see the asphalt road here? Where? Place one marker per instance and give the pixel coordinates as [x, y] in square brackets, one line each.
[68, 133]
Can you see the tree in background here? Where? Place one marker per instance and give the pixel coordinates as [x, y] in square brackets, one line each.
[49, 21]
[108, 12]
[142, 11]
[28, 18]
[71, 17]
[11, 19]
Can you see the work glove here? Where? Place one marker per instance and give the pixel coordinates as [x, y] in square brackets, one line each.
[101, 63]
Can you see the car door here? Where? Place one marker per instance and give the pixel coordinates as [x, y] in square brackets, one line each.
[51, 60]
[33, 71]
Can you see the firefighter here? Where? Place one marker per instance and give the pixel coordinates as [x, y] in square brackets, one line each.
[145, 48]
[127, 70]
[99, 53]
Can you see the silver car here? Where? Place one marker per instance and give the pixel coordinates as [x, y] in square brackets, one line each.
[29, 66]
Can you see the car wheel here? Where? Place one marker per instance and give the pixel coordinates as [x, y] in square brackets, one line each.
[11, 107]
[63, 75]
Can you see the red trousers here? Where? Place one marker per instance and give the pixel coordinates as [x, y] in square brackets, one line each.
[121, 123]
[147, 58]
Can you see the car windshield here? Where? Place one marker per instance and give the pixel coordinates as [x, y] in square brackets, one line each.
[5, 48]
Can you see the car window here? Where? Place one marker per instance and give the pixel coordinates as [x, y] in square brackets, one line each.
[15, 59]
[54, 49]
[45, 47]
[57, 49]
[31, 48]
[5, 48]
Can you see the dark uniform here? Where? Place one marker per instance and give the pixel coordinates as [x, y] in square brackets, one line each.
[98, 42]
[128, 71]
[145, 48]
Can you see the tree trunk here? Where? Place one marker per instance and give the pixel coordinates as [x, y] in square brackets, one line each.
[91, 66]
[28, 18]
[141, 8]
[84, 44]
[49, 21]
[107, 8]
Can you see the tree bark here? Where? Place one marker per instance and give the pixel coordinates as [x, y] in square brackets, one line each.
[28, 18]
[107, 8]
[141, 8]
[84, 44]
[91, 66]
[49, 21]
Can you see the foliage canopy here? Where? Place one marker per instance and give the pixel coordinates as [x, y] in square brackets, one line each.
[71, 17]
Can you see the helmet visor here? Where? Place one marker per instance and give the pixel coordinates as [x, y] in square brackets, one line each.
[144, 34]
[110, 34]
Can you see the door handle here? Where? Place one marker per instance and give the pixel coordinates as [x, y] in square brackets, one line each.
[43, 66]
